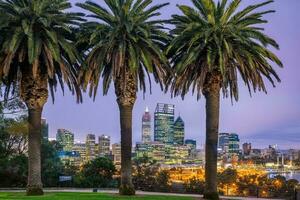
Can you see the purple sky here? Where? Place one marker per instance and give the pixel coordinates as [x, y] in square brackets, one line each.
[262, 119]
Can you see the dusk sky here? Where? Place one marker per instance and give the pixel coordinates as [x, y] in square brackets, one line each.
[261, 119]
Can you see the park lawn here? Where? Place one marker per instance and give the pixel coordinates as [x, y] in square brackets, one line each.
[85, 196]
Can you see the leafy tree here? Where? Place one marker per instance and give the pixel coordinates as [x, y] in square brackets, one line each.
[37, 52]
[194, 186]
[145, 172]
[213, 45]
[96, 173]
[13, 171]
[124, 45]
[52, 167]
[228, 176]
[163, 181]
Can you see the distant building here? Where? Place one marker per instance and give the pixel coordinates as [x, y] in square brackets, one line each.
[65, 138]
[164, 123]
[154, 151]
[176, 154]
[70, 157]
[223, 143]
[191, 143]
[104, 145]
[116, 153]
[146, 126]
[90, 147]
[81, 149]
[234, 144]
[247, 149]
[45, 129]
[179, 131]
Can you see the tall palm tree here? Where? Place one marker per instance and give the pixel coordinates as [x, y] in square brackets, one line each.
[37, 52]
[124, 47]
[214, 45]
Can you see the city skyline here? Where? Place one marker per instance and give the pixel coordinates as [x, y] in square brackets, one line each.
[271, 119]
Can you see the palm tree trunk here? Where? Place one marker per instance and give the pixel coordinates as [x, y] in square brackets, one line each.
[126, 97]
[34, 92]
[212, 95]
[35, 186]
[127, 187]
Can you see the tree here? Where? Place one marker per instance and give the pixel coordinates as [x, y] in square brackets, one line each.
[52, 167]
[125, 45]
[96, 173]
[36, 52]
[214, 44]
[145, 173]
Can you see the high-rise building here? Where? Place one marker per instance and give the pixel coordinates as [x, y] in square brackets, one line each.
[104, 145]
[223, 143]
[247, 149]
[164, 123]
[81, 149]
[116, 152]
[65, 138]
[234, 144]
[146, 126]
[179, 131]
[90, 147]
[45, 129]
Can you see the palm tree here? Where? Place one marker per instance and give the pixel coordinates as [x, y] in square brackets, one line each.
[214, 45]
[124, 47]
[37, 52]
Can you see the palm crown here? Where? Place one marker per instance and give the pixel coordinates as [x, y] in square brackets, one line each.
[36, 37]
[124, 39]
[217, 39]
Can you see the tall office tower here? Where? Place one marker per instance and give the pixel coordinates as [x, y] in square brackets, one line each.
[234, 144]
[65, 138]
[45, 129]
[90, 147]
[247, 149]
[116, 152]
[164, 123]
[81, 149]
[146, 127]
[179, 131]
[104, 145]
[223, 143]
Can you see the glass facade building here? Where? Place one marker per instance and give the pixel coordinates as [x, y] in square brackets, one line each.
[104, 145]
[179, 131]
[164, 123]
[90, 147]
[234, 144]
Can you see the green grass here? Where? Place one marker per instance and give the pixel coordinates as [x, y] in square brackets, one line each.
[85, 196]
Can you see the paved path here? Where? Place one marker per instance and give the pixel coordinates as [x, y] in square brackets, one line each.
[138, 192]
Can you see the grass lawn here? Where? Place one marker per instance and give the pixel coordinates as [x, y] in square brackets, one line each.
[85, 196]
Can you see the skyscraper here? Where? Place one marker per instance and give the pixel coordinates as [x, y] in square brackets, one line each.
[234, 144]
[164, 123]
[104, 145]
[65, 138]
[90, 147]
[45, 129]
[179, 131]
[223, 143]
[146, 126]
[116, 152]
